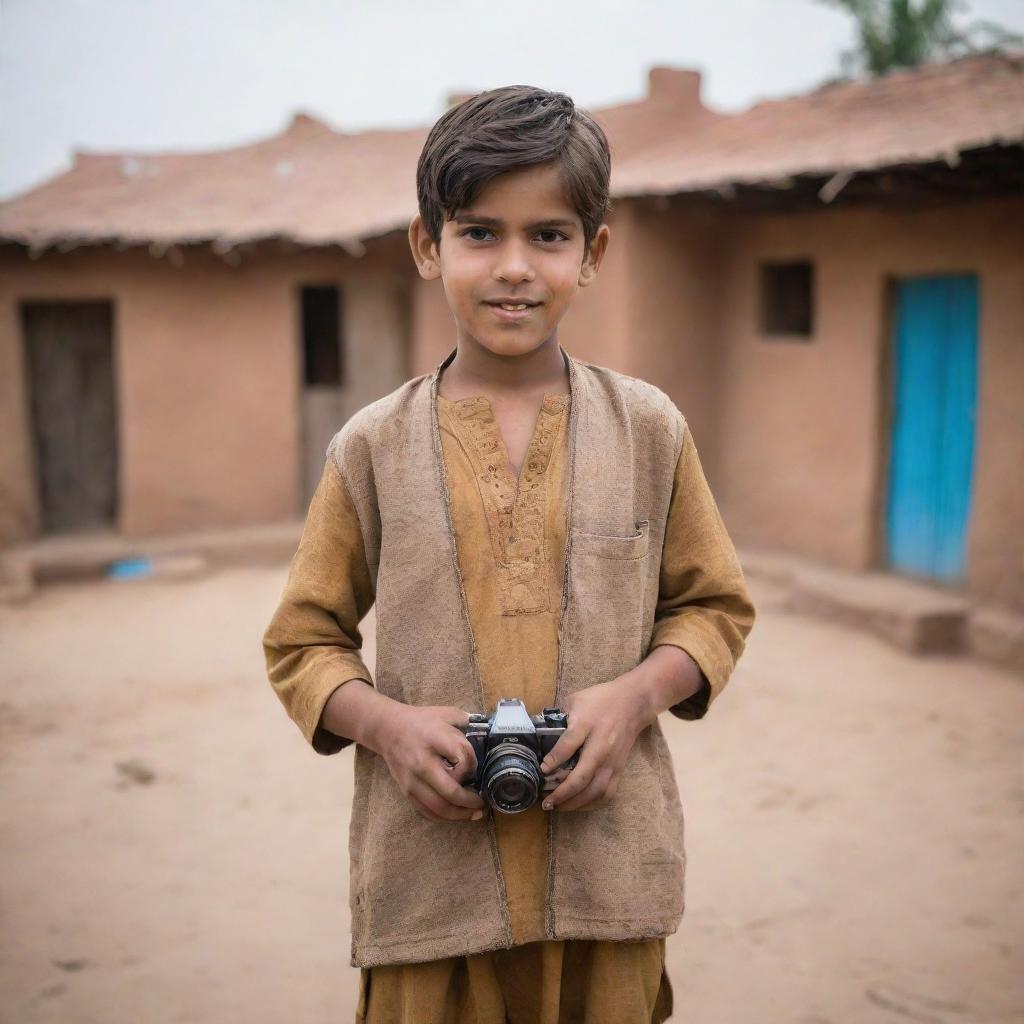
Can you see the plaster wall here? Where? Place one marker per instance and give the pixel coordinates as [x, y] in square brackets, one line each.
[208, 376]
[669, 312]
[802, 459]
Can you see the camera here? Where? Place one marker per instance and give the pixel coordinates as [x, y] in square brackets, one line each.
[509, 747]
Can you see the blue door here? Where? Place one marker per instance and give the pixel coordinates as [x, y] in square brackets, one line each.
[932, 452]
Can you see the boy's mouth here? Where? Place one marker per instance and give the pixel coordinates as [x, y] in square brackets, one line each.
[512, 310]
[512, 303]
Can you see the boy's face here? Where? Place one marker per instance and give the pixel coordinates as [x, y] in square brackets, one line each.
[521, 241]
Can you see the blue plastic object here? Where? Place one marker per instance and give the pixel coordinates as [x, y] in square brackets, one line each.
[130, 568]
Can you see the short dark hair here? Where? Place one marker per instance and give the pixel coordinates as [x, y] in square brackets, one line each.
[503, 129]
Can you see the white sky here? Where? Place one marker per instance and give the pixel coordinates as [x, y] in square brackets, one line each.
[114, 75]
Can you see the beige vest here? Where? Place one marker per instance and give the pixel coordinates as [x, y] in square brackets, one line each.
[423, 890]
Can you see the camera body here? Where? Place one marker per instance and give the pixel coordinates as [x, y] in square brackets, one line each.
[509, 746]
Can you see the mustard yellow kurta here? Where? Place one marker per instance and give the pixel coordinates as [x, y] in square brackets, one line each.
[510, 539]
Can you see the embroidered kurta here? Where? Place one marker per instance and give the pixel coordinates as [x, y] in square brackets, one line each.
[382, 527]
[510, 541]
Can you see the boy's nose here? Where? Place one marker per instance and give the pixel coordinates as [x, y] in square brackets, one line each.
[513, 264]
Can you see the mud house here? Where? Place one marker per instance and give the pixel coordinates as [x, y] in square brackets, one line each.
[831, 287]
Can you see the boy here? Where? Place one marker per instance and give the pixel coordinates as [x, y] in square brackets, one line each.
[528, 525]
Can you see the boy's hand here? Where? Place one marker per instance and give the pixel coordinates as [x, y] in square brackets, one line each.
[604, 720]
[414, 741]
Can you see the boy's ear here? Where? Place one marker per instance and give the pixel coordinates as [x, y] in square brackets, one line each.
[592, 259]
[424, 251]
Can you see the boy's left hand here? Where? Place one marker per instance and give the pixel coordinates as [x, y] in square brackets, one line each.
[604, 720]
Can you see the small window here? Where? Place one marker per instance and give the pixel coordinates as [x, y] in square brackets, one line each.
[321, 335]
[787, 298]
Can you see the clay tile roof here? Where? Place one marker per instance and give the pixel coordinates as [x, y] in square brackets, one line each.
[915, 116]
[314, 185]
[310, 184]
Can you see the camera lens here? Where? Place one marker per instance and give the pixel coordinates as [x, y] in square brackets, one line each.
[511, 778]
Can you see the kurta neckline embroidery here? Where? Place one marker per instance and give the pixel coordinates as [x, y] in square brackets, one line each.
[514, 508]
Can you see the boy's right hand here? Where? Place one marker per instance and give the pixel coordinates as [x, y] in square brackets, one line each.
[413, 742]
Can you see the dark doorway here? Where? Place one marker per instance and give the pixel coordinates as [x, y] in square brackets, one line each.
[321, 336]
[324, 370]
[69, 358]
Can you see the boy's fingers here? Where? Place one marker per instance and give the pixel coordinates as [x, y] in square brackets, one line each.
[459, 755]
[568, 743]
[420, 806]
[464, 753]
[593, 793]
[437, 806]
[456, 716]
[461, 772]
[449, 789]
[579, 778]
[455, 747]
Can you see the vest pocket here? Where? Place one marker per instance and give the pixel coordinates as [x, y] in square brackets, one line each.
[607, 586]
[629, 548]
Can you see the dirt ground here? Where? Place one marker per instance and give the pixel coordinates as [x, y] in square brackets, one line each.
[172, 851]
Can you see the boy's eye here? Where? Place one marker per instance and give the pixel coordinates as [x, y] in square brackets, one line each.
[545, 234]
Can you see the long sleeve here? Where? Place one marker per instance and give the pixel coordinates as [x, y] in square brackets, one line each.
[703, 604]
[312, 644]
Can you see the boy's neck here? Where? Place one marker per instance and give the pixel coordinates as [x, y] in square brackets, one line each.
[477, 370]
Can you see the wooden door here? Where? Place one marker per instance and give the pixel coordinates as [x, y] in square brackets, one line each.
[932, 453]
[70, 364]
